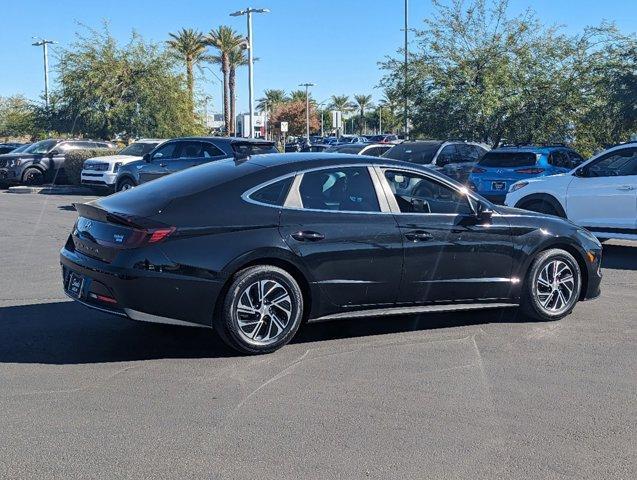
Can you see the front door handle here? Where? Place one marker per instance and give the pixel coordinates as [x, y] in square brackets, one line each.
[625, 187]
[308, 236]
[418, 236]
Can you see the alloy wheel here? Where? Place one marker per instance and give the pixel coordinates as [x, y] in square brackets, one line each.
[263, 312]
[555, 287]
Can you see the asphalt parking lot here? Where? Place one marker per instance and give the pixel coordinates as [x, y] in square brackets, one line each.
[462, 395]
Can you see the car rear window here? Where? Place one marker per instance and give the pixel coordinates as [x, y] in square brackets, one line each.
[508, 159]
[248, 149]
[421, 153]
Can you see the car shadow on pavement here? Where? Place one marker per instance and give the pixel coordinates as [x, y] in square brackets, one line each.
[68, 333]
[619, 257]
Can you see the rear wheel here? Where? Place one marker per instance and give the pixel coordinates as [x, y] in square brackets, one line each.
[552, 286]
[262, 310]
[125, 184]
[33, 176]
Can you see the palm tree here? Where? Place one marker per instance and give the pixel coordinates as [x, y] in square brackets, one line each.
[236, 58]
[225, 40]
[189, 46]
[297, 96]
[271, 99]
[340, 103]
[363, 102]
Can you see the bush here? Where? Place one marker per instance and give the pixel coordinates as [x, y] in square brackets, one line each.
[74, 161]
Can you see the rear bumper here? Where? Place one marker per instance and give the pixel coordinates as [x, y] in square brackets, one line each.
[141, 294]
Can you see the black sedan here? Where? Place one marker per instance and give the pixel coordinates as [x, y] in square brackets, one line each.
[254, 247]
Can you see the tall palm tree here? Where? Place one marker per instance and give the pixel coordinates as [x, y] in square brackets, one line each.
[341, 103]
[236, 58]
[297, 96]
[225, 40]
[363, 102]
[271, 98]
[188, 46]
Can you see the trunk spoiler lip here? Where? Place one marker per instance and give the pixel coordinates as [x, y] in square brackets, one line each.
[124, 219]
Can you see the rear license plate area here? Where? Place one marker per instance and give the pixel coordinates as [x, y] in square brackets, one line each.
[498, 185]
[75, 285]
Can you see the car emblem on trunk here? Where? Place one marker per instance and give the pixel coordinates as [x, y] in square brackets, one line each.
[118, 238]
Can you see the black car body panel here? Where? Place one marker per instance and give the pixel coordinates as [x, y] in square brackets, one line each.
[361, 260]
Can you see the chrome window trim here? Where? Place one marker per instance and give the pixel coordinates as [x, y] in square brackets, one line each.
[246, 195]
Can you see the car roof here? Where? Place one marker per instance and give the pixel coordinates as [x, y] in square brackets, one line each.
[530, 148]
[224, 139]
[303, 160]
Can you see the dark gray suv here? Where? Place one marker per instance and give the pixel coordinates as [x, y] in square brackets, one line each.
[42, 161]
[181, 153]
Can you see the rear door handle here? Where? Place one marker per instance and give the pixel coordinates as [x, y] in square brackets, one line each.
[625, 187]
[418, 236]
[308, 236]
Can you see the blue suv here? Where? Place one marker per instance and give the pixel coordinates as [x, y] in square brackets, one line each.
[498, 169]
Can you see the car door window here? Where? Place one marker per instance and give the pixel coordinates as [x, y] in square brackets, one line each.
[166, 151]
[575, 159]
[210, 151]
[559, 159]
[447, 155]
[469, 153]
[339, 189]
[616, 164]
[416, 193]
[190, 150]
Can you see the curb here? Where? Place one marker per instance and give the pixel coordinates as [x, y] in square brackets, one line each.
[52, 190]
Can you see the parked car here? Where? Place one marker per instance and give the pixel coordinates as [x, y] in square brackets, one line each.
[182, 153]
[101, 172]
[253, 248]
[9, 147]
[453, 158]
[346, 139]
[497, 170]
[42, 161]
[372, 149]
[315, 147]
[384, 138]
[600, 194]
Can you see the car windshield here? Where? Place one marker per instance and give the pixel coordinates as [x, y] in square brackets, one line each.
[508, 159]
[247, 149]
[41, 147]
[138, 149]
[421, 153]
[21, 148]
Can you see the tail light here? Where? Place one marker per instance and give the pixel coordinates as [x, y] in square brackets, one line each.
[478, 170]
[530, 171]
[159, 234]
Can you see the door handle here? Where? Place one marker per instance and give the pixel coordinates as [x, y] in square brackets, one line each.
[418, 236]
[308, 236]
[162, 164]
[625, 187]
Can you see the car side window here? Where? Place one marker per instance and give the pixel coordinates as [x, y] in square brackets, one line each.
[469, 153]
[209, 151]
[575, 158]
[190, 150]
[615, 164]
[446, 155]
[166, 151]
[416, 193]
[339, 189]
[559, 159]
[273, 194]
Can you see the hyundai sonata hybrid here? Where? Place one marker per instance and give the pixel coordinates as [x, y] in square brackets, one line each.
[254, 247]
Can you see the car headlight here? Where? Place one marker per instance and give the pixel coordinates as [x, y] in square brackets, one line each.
[517, 185]
[116, 167]
[14, 163]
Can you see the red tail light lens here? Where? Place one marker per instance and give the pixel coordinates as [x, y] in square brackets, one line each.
[478, 170]
[159, 234]
[530, 171]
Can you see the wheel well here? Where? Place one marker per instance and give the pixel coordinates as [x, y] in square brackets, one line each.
[579, 258]
[542, 197]
[125, 177]
[276, 262]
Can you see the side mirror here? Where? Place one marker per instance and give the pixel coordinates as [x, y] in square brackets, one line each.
[147, 157]
[581, 172]
[484, 212]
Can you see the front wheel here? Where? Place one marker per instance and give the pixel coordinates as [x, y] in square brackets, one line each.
[262, 310]
[552, 286]
[33, 176]
[125, 184]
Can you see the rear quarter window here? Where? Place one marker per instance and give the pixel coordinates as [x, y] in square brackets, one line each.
[508, 159]
[273, 194]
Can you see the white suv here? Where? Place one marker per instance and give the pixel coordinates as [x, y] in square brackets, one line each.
[101, 172]
[600, 195]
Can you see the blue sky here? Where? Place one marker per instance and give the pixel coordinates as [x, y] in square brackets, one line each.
[335, 44]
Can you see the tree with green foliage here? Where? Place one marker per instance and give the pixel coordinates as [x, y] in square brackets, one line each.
[105, 89]
[18, 117]
[188, 46]
[363, 102]
[271, 98]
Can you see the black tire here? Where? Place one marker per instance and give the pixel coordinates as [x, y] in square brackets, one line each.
[125, 184]
[531, 301]
[242, 289]
[33, 176]
[542, 206]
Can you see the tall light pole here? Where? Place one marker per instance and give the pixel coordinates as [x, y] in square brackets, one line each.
[307, 108]
[248, 12]
[406, 126]
[380, 119]
[41, 42]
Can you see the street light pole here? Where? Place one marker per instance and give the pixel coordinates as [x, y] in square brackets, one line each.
[248, 12]
[380, 119]
[307, 108]
[406, 126]
[41, 42]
